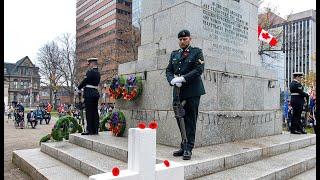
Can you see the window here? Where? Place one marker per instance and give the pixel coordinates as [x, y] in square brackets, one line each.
[15, 84]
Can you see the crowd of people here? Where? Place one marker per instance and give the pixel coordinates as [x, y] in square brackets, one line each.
[16, 112]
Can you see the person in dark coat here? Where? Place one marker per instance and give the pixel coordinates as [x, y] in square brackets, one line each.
[297, 102]
[91, 97]
[31, 119]
[184, 71]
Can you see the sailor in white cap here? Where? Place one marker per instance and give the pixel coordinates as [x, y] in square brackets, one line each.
[297, 102]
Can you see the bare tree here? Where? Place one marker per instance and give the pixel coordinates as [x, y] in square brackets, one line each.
[68, 59]
[49, 59]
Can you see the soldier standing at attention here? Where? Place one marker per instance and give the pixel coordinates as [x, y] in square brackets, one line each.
[91, 97]
[297, 103]
[184, 71]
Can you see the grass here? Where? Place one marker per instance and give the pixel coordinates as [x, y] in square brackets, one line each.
[310, 130]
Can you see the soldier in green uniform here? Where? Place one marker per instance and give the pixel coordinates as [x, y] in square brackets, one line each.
[184, 71]
[297, 103]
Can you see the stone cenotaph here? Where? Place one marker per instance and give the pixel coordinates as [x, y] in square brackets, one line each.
[242, 98]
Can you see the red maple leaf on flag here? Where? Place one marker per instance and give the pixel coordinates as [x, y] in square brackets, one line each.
[273, 42]
[265, 35]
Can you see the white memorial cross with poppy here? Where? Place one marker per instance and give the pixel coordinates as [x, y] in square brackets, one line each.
[142, 160]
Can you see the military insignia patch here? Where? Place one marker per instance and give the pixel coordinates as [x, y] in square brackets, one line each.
[200, 61]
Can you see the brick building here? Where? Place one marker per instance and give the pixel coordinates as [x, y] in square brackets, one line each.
[104, 30]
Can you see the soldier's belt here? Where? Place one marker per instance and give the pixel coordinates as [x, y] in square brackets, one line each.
[90, 86]
[295, 94]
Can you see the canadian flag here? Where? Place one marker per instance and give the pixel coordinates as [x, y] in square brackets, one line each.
[263, 35]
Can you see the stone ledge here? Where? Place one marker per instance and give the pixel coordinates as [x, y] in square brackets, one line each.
[215, 158]
[42, 166]
[84, 160]
[283, 166]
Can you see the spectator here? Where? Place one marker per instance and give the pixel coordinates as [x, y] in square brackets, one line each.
[39, 114]
[285, 112]
[31, 119]
[10, 112]
[49, 107]
[20, 107]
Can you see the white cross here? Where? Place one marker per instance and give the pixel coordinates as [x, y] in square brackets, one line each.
[142, 160]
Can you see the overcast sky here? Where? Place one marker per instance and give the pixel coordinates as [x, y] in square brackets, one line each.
[29, 24]
[286, 7]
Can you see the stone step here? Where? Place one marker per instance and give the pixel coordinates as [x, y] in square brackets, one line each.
[205, 160]
[84, 160]
[283, 166]
[41, 166]
[310, 175]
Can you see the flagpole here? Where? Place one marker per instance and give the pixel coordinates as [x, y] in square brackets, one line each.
[30, 93]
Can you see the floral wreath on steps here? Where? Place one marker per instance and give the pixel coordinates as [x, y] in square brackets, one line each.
[116, 123]
[133, 88]
[115, 90]
[63, 127]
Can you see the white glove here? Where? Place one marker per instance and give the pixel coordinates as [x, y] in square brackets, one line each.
[178, 84]
[177, 80]
[78, 91]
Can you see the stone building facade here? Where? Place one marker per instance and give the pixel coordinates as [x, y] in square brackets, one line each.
[23, 81]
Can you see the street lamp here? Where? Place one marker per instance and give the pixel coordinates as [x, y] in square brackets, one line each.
[55, 98]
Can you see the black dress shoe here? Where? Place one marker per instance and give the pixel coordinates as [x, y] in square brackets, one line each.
[187, 155]
[303, 132]
[85, 133]
[295, 132]
[178, 153]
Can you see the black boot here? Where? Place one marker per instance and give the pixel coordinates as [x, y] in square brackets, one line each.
[178, 153]
[86, 133]
[295, 132]
[303, 131]
[187, 155]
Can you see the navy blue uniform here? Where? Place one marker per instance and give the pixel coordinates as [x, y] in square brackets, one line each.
[297, 103]
[188, 63]
[91, 97]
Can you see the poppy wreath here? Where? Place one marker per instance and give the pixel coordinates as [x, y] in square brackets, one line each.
[117, 123]
[63, 127]
[116, 87]
[132, 88]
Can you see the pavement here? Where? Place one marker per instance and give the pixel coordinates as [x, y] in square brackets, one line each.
[15, 139]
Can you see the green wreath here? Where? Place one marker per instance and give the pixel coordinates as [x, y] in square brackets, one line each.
[63, 127]
[104, 121]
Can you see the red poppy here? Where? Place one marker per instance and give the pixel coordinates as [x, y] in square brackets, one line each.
[153, 124]
[115, 171]
[166, 163]
[141, 125]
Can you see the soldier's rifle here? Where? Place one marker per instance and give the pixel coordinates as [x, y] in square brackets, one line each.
[179, 113]
[80, 105]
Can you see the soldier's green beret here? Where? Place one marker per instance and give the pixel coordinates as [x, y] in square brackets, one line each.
[184, 33]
